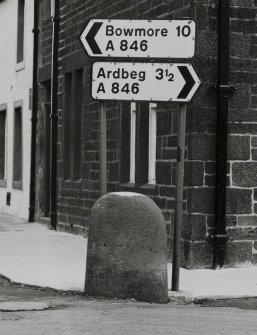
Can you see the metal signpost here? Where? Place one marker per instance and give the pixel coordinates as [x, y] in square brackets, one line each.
[145, 81]
[102, 148]
[139, 38]
[178, 196]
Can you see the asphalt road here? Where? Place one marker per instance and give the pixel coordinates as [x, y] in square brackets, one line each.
[27, 311]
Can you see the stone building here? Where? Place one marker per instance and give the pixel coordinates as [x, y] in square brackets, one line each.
[220, 199]
[16, 45]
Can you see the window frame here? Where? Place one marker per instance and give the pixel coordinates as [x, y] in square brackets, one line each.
[132, 167]
[67, 117]
[17, 184]
[20, 45]
[152, 143]
[78, 79]
[72, 141]
[3, 181]
[138, 163]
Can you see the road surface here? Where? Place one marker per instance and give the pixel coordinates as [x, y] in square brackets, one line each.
[28, 310]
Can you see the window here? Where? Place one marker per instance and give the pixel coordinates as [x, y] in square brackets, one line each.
[20, 31]
[152, 144]
[73, 87]
[142, 144]
[3, 145]
[77, 109]
[132, 142]
[17, 148]
[67, 126]
[138, 144]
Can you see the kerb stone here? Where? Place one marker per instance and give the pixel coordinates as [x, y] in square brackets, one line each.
[127, 249]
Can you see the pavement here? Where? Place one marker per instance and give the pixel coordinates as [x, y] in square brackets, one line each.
[32, 254]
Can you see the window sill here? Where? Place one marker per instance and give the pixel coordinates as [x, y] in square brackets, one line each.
[147, 189]
[147, 186]
[71, 180]
[3, 183]
[17, 185]
[133, 185]
[128, 185]
[20, 66]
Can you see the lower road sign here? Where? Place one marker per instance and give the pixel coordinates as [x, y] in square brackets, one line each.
[144, 81]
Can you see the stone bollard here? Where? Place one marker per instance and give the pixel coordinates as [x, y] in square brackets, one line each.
[127, 249]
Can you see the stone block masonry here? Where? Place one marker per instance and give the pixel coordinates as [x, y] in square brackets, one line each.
[242, 139]
[76, 197]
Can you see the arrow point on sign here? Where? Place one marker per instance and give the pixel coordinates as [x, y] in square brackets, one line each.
[90, 38]
[190, 82]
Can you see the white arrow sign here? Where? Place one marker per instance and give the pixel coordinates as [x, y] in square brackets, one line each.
[140, 38]
[144, 81]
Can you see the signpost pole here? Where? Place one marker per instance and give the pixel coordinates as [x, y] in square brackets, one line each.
[179, 195]
[146, 81]
[102, 147]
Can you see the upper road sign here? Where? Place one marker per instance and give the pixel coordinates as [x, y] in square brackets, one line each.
[144, 81]
[140, 38]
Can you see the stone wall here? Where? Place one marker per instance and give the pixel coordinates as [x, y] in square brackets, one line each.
[76, 198]
[242, 164]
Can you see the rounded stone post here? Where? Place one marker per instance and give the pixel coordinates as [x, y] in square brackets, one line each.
[127, 249]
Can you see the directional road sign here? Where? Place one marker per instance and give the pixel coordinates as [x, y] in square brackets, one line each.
[140, 38]
[144, 81]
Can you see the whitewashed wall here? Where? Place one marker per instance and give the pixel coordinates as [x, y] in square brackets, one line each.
[14, 86]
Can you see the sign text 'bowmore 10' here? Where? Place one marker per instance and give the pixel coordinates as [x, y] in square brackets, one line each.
[140, 38]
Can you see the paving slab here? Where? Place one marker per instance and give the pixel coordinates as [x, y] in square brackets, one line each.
[16, 306]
